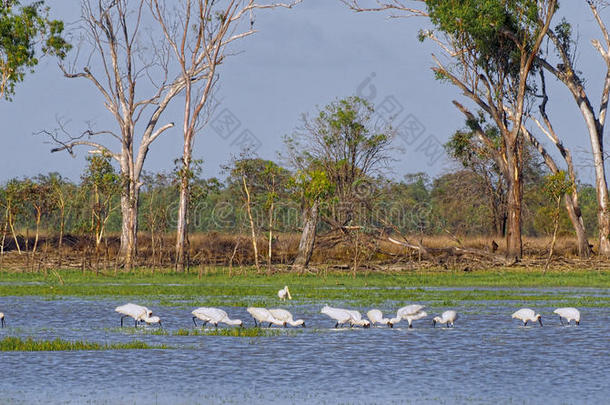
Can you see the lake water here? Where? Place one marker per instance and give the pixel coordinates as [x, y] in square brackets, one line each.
[486, 358]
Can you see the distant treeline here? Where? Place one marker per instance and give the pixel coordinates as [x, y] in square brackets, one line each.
[459, 203]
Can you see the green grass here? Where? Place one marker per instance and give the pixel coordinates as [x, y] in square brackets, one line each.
[218, 289]
[17, 344]
[233, 332]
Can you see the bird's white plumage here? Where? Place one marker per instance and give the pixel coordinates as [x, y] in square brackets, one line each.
[527, 315]
[569, 314]
[376, 316]
[214, 316]
[409, 310]
[447, 317]
[138, 312]
[262, 315]
[409, 313]
[342, 316]
[283, 293]
[285, 316]
[357, 319]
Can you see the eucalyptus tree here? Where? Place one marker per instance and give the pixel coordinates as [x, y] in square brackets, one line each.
[25, 32]
[199, 34]
[489, 51]
[560, 61]
[342, 148]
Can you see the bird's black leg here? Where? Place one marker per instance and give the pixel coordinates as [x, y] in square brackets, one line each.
[269, 325]
[525, 323]
[255, 324]
[195, 322]
[136, 325]
[561, 320]
[336, 325]
[124, 316]
[577, 322]
[410, 325]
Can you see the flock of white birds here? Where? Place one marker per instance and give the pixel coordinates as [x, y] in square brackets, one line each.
[341, 316]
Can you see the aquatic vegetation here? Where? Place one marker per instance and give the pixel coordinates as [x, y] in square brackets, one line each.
[17, 344]
[186, 290]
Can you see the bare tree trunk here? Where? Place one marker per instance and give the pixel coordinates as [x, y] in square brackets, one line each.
[129, 228]
[308, 237]
[38, 215]
[270, 238]
[181, 230]
[252, 228]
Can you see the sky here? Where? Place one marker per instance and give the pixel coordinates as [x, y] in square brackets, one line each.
[298, 61]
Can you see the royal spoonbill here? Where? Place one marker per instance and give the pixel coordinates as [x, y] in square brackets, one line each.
[376, 316]
[342, 316]
[447, 317]
[409, 313]
[2, 319]
[286, 317]
[526, 315]
[138, 313]
[357, 319]
[283, 293]
[214, 316]
[569, 314]
[263, 315]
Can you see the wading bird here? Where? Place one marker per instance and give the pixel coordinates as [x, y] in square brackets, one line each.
[447, 317]
[262, 315]
[376, 316]
[569, 314]
[286, 317]
[214, 316]
[357, 319]
[526, 315]
[2, 319]
[138, 313]
[409, 313]
[343, 316]
[283, 293]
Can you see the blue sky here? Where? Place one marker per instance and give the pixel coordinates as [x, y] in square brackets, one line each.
[299, 59]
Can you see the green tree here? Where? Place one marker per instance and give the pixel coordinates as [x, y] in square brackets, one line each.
[103, 185]
[25, 32]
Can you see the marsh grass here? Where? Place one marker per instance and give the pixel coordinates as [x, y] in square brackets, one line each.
[232, 332]
[219, 289]
[17, 344]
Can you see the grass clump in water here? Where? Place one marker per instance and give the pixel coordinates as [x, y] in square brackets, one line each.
[17, 344]
[236, 332]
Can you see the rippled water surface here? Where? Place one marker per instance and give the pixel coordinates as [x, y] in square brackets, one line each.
[486, 358]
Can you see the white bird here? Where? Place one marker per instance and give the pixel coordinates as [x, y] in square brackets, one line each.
[376, 316]
[2, 319]
[569, 314]
[357, 319]
[526, 315]
[447, 317]
[343, 316]
[263, 315]
[286, 317]
[409, 313]
[409, 310]
[214, 316]
[138, 313]
[283, 293]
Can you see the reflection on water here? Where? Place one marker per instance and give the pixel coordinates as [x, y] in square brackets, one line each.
[486, 358]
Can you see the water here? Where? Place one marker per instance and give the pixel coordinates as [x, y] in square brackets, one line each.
[486, 358]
